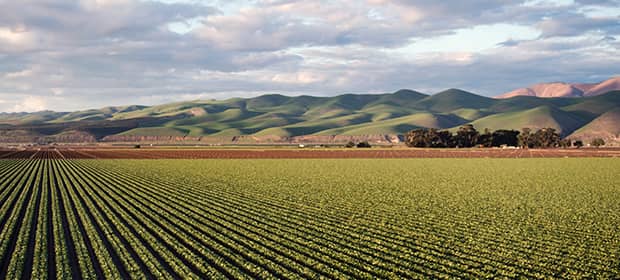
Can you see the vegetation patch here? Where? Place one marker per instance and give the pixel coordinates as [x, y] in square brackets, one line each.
[356, 218]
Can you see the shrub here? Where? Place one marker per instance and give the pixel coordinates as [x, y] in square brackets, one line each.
[597, 142]
[364, 144]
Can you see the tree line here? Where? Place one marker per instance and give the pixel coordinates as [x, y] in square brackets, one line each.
[467, 136]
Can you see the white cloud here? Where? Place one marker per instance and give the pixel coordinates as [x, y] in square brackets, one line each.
[30, 104]
[57, 91]
[18, 37]
[113, 52]
[304, 77]
[19, 74]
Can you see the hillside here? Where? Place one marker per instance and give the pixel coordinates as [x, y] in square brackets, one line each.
[273, 118]
[607, 127]
[536, 118]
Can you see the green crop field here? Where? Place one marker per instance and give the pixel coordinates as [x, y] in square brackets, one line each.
[345, 218]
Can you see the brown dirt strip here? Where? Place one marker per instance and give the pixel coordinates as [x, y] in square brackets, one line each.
[310, 153]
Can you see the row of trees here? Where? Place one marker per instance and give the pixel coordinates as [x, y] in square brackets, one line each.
[363, 144]
[467, 136]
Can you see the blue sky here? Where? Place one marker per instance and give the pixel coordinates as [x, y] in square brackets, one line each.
[77, 54]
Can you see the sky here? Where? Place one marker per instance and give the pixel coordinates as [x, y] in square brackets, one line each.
[77, 54]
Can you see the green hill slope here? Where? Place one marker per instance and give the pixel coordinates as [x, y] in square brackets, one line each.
[454, 99]
[397, 125]
[595, 106]
[539, 117]
[348, 114]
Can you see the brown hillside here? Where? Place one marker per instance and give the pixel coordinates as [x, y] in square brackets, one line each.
[607, 126]
[559, 89]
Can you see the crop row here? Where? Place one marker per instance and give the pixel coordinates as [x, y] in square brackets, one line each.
[86, 219]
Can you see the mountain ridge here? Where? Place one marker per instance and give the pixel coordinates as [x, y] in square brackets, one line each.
[270, 117]
[562, 89]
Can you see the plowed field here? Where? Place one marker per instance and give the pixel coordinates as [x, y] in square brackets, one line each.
[70, 153]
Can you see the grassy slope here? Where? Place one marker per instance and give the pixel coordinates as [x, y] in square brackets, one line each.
[398, 125]
[595, 106]
[539, 117]
[607, 126]
[454, 99]
[155, 131]
[345, 114]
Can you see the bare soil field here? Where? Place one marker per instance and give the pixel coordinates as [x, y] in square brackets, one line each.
[127, 153]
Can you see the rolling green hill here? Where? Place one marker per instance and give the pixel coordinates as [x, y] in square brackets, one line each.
[397, 125]
[536, 118]
[347, 114]
[454, 99]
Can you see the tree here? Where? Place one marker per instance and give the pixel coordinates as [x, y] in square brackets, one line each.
[466, 136]
[485, 139]
[505, 137]
[565, 143]
[525, 138]
[578, 144]
[546, 138]
[428, 138]
[417, 138]
[350, 144]
[442, 139]
[597, 142]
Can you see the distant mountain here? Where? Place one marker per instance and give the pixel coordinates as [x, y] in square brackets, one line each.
[271, 118]
[560, 89]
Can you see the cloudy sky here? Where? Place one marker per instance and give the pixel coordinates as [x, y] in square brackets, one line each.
[76, 54]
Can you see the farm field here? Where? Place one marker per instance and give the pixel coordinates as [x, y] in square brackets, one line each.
[309, 218]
